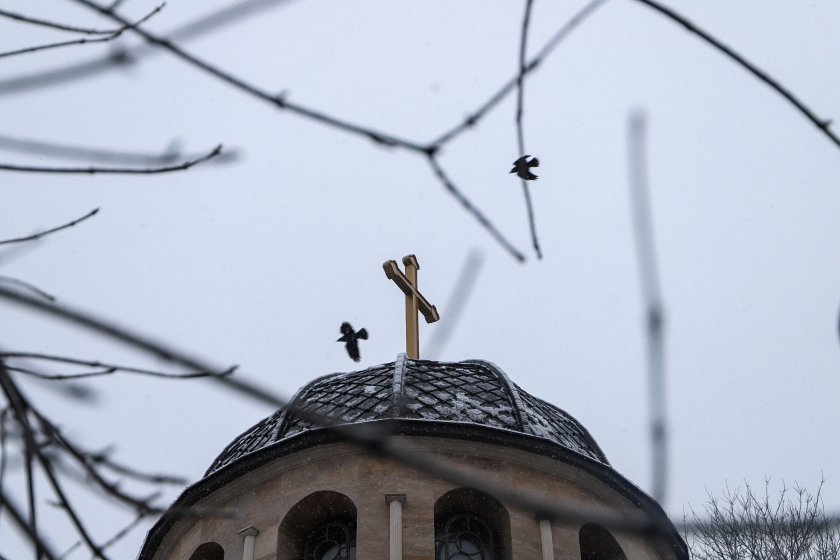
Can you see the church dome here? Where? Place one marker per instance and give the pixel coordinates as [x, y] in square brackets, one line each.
[454, 394]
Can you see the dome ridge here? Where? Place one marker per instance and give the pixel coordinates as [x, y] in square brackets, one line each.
[470, 392]
[399, 375]
[512, 389]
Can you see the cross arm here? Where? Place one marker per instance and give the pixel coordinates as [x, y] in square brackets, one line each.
[393, 272]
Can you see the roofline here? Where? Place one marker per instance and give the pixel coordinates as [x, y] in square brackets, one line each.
[417, 428]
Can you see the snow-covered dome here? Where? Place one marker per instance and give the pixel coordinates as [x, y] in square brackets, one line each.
[454, 394]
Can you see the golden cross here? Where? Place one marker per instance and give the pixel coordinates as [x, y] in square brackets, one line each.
[414, 302]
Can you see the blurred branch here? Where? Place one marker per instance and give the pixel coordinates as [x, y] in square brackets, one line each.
[652, 301]
[520, 133]
[21, 409]
[124, 531]
[139, 505]
[71, 73]
[38, 542]
[561, 34]
[366, 436]
[44, 442]
[475, 212]
[41, 234]
[115, 170]
[27, 286]
[461, 292]
[55, 25]
[107, 369]
[822, 124]
[83, 41]
[170, 154]
[103, 459]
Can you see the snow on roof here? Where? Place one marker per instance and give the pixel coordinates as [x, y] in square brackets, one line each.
[474, 391]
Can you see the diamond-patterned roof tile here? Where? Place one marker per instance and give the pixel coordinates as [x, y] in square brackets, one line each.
[473, 392]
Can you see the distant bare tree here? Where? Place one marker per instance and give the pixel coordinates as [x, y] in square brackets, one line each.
[743, 525]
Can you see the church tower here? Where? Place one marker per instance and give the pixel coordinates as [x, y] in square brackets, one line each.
[291, 489]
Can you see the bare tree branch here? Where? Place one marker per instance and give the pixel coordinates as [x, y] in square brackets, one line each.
[56, 25]
[74, 72]
[475, 212]
[103, 459]
[272, 98]
[83, 41]
[41, 546]
[822, 124]
[41, 234]
[124, 531]
[482, 111]
[139, 505]
[114, 170]
[27, 286]
[520, 133]
[742, 525]
[3, 414]
[107, 369]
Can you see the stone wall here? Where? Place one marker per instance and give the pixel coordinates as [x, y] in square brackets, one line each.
[262, 498]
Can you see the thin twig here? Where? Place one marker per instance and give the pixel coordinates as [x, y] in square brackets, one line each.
[107, 369]
[476, 213]
[41, 234]
[82, 41]
[139, 505]
[37, 540]
[30, 448]
[55, 25]
[22, 408]
[70, 549]
[114, 170]
[124, 531]
[27, 286]
[520, 133]
[94, 66]
[822, 124]
[473, 118]
[3, 414]
[107, 462]
[272, 98]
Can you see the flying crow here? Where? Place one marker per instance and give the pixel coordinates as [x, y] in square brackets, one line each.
[351, 340]
[522, 167]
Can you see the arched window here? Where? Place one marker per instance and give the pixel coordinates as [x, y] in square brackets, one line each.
[322, 526]
[596, 543]
[208, 551]
[333, 540]
[471, 525]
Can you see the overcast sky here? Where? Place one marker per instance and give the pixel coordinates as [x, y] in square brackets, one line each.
[257, 261]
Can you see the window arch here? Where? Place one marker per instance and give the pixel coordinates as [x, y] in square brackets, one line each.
[471, 525]
[208, 551]
[596, 543]
[322, 526]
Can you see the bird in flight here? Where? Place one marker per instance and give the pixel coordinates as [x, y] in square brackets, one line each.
[522, 167]
[350, 338]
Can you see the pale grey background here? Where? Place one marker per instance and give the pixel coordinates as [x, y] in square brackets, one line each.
[256, 263]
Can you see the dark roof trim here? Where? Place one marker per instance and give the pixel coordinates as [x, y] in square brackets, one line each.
[418, 428]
